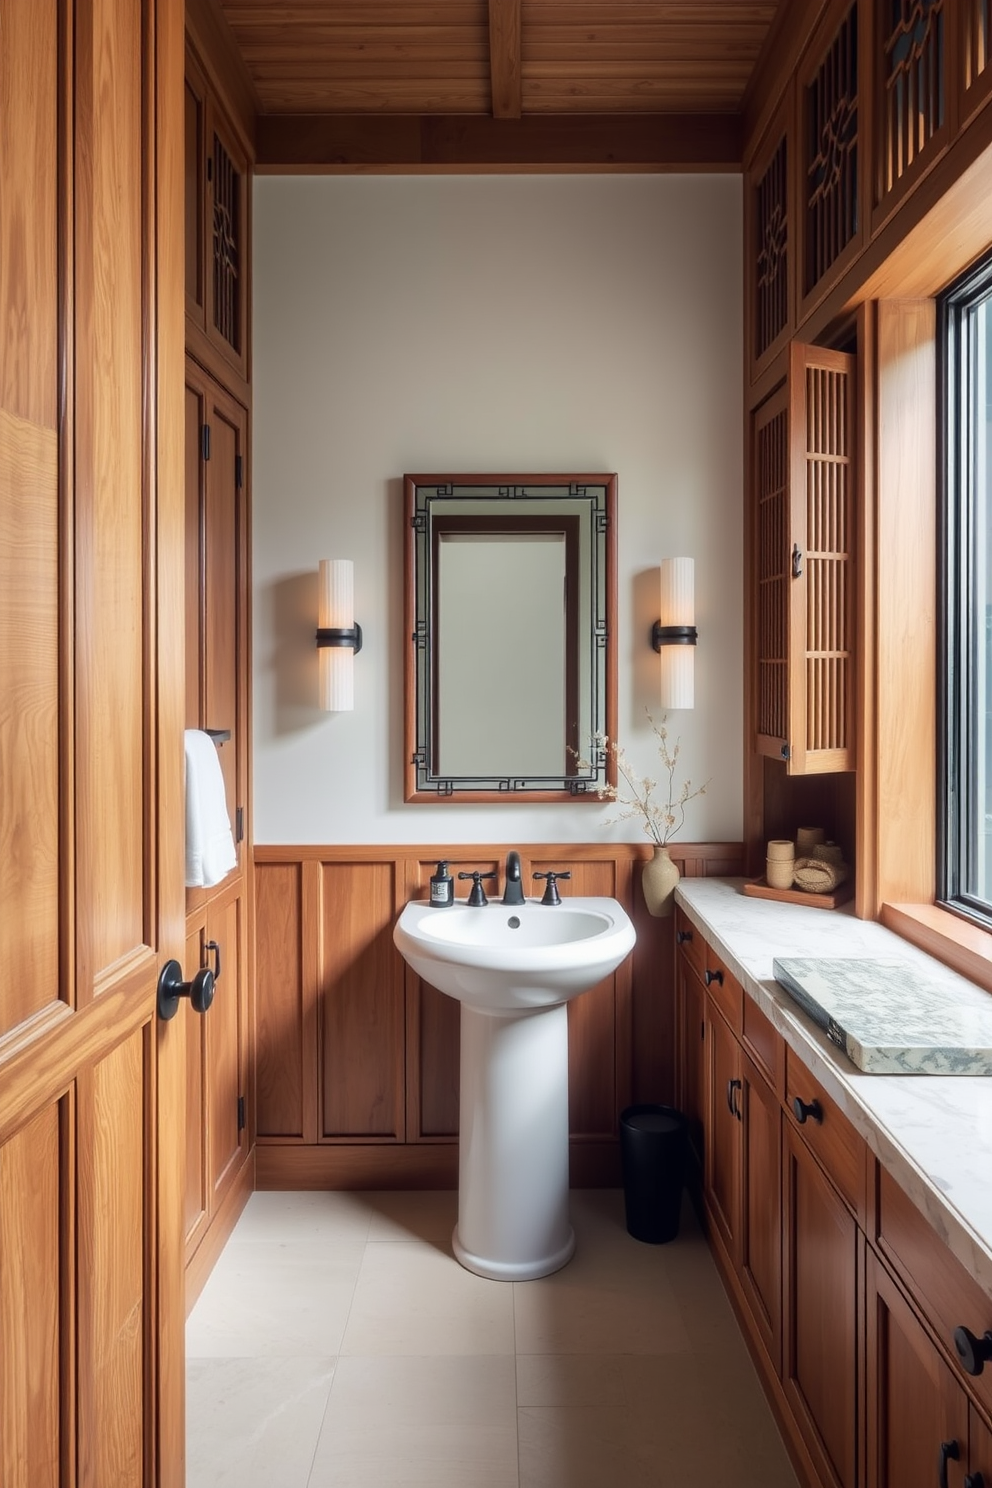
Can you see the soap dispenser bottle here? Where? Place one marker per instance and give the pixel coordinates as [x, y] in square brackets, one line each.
[442, 886]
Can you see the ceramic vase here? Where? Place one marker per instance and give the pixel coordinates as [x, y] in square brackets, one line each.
[658, 879]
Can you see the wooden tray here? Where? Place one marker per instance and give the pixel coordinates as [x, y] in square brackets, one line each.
[759, 889]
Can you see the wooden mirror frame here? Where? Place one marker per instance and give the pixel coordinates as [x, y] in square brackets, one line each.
[424, 498]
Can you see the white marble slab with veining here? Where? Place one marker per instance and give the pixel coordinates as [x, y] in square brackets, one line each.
[932, 1132]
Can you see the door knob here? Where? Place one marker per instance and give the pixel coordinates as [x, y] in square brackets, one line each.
[973, 1352]
[171, 988]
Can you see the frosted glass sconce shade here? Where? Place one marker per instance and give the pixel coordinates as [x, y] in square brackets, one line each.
[338, 637]
[674, 633]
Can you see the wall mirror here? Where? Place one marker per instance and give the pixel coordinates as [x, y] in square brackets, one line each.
[511, 636]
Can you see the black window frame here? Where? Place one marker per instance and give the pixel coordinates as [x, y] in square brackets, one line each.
[957, 817]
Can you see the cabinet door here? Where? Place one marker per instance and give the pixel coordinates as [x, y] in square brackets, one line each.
[723, 1128]
[803, 514]
[216, 605]
[819, 1344]
[917, 1414]
[979, 1451]
[760, 1252]
[692, 1056]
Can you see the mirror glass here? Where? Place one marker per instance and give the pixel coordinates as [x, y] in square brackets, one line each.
[511, 668]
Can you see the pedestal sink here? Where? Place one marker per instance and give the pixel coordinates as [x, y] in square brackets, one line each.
[514, 969]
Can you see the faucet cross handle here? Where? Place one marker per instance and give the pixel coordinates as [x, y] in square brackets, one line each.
[551, 894]
[477, 894]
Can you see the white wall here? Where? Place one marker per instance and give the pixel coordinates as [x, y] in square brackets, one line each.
[493, 324]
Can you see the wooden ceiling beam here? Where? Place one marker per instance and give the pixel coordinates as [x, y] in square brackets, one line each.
[410, 144]
[504, 58]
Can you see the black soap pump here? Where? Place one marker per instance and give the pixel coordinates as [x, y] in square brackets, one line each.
[442, 886]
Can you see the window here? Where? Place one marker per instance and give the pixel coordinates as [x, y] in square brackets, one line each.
[965, 800]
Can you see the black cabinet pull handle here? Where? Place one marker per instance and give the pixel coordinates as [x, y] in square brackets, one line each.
[171, 988]
[713, 976]
[797, 561]
[949, 1452]
[682, 936]
[735, 1109]
[972, 1351]
[805, 1110]
[730, 1096]
[211, 945]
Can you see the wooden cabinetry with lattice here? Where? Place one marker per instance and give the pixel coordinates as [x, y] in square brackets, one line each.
[802, 511]
[769, 235]
[216, 233]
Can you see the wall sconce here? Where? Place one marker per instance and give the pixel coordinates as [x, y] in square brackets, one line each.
[674, 634]
[339, 639]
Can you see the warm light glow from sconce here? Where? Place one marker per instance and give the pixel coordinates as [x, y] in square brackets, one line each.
[674, 636]
[338, 637]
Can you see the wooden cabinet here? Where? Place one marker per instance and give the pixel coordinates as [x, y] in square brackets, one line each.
[216, 1063]
[820, 1324]
[217, 201]
[691, 1023]
[803, 541]
[917, 1413]
[216, 602]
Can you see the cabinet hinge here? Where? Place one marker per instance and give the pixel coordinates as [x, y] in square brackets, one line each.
[205, 441]
[239, 824]
[239, 472]
[242, 1119]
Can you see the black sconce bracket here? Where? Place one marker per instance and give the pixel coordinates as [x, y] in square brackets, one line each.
[672, 635]
[335, 636]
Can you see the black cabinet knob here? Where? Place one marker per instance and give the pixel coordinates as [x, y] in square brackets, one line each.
[972, 1351]
[949, 1452]
[807, 1110]
[713, 976]
[682, 936]
[974, 1480]
[171, 987]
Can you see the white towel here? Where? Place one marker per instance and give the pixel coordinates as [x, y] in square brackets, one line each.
[210, 852]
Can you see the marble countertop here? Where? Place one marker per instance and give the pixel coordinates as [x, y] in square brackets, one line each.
[933, 1133]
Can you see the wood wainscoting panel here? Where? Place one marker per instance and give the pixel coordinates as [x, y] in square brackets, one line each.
[361, 1012]
[382, 1056]
[282, 1017]
[30, 1286]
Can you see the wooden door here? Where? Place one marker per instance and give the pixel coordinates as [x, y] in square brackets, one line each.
[916, 1412]
[91, 902]
[723, 1130]
[760, 1250]
[819, 1342]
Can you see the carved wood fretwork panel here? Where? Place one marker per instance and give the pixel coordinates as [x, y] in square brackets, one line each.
[913, 104]
[226, 246]
[772, 549]
[977, 26]
[771, 302]
[830, 104]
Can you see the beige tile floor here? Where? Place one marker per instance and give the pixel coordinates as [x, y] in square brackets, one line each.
[338, 1344]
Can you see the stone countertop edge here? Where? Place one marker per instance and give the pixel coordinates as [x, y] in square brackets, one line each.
[932, 1133]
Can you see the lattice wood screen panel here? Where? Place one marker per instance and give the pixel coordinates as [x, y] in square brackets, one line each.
[977, 26]
[772, 566]
[771, 296]
[227, 246]
[822, 475]
[913, 99]
[831, 153]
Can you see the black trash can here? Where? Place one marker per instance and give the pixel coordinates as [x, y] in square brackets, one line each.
[653, 1151]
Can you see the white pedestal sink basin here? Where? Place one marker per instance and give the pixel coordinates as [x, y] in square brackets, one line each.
[513, 969]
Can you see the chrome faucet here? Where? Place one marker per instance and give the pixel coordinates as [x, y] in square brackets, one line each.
[513, 891]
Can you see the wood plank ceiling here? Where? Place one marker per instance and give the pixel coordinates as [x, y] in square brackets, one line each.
[560, 64]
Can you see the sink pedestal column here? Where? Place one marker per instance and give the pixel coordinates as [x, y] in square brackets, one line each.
[513, 1220]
